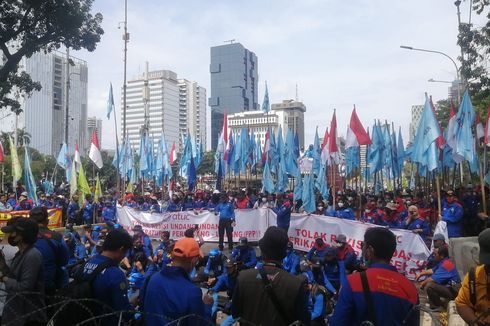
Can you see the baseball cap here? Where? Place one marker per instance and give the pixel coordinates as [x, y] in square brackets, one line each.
[24, 226]
[186, 248]
[484, 242]
[438, 236]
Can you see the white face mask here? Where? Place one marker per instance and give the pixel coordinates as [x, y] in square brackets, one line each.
[341, 204]
[264, 200]
[320, 208]
[230, 198]
[367, 210]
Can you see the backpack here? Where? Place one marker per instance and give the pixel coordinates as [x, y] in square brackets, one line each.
[73, 304]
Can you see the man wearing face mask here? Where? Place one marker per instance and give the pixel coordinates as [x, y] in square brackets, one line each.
[452, 214]
[226, 212]
[244, 254]
[226, 282]
[415, 223]
[171, 294]
[345, 212]
[365, 298]
[283, 212]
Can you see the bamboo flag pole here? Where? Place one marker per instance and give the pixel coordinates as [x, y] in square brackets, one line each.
[438, 188]
[482, 185]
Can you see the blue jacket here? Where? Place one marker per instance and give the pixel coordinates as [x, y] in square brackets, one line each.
[55, 256]
[445, 273]
[452, 214]
[393, 299]
[88, 211]
[172, 294]
[109, 214]
[217, 266]
[225, 282]
[316, 306]
[317, 252]
[246, 256]
[110, 286]
[291, 262]
[346, 213]
[226, 211]
[73, 209]
[283, 213]
[23, 207]
[173, 207]
[334, 274]
[419, 223]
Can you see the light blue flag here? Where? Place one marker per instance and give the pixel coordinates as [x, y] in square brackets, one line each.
[291, 159]
[160, 161]
[29, 180]
[199, 154]
[244, 149]
[464, 148]
[281, 151]
[252, 159]
[265, 103]
[186, 157]
[400, 152]
[376, 150]
[258, 151]
[298, 188]
[394, 154]
[308, 195]
[267, 182]
[191, 175]
[110, 103]
[351, 159]
[316, 154]
[321, 181]
[143, 155]
[425, 149]
[274, 155]
[62, 155]
[282, 179]
[388, 154]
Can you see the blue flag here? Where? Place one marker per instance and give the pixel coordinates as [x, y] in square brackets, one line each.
[464, 147]
[267, 182]
[191, 176]
[62, 155]
[400, 152]
[425, 150]
[291, 162]
[29, 180]
[308, 197]
[265, 103]
[298, 188]
[376, 150]
[321, 181]
[110, 103]
[316, 154]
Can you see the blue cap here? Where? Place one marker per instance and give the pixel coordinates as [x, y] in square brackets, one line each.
[97, 228]
[214, 252]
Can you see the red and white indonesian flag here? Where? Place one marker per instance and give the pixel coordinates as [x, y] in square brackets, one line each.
[333, 148]
[356, 134]
[451, 125]
[487, 128]
[77, 159]
[94, 153]
[223, 141]
[173, 155]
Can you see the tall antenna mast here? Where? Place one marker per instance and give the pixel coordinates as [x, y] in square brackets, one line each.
[146, 100]
[296, 92]
[126, 40]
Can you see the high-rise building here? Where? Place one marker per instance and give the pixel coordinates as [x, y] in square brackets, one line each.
[93, 123]
[255, 121]
[163, 107]
[192, 112]
[416, 114]
[43, 115]
[291, 115]
[234, 78]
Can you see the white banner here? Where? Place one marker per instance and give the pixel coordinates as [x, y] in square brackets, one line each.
[410, 256]
[250, 223]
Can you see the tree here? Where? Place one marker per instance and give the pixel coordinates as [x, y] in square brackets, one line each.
[207, 164]
[30, 26]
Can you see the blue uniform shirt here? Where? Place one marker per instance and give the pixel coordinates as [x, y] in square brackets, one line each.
[316, 306]
[73, 209]
[419, 223]
[445, 273]
[226, 211]
[216, 265]
[393, 296]
[291, 262]
[88, 212]
[245, 255]
[452, 214]
[110, 286]
[109, 214]
[283, 213]
[172, 294]
[346, 213]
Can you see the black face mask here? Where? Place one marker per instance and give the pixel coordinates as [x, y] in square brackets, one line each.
[11, 240]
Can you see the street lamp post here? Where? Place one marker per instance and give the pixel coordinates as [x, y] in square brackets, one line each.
[441, 53]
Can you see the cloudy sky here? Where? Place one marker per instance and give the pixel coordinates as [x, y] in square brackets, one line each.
[339, 53]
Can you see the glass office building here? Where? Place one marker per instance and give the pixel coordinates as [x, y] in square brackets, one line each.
[234, 81]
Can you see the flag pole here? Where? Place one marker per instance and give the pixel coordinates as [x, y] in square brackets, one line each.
[482, 185]
[118, 176]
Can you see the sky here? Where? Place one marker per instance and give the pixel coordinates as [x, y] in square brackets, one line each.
[339, 53]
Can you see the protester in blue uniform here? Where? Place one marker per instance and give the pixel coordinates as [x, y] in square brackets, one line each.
[415, 223]
[346, 253]
[283, 212]
[345, 212]
[226, 212]
[213, 201]
[318, 250]
[164, 241]
[215, 265]
[43, 201]
[452, 214]
[147, 246]
[76, 251]
[317, 304]
[109, 212]
[175, 204]
[11, 201]
[439, 241]
[392, 301]
[333, 271]
[291, 262]
[73, 210]
[170, 294]
[443, 282]
[53, 249]
[244, 254]
[135, 249]
[23, 204]
[225, 282]
[110, 285]
[88, 209]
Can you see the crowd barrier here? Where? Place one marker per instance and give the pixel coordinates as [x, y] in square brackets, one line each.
[54, 215]
[410, 256]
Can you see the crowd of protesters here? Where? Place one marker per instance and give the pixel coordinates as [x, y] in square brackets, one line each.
[164, 282]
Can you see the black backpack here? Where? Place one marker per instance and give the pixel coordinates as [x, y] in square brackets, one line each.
[75, 303]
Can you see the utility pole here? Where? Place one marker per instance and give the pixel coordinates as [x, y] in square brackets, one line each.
[126, 40]
[146, 100]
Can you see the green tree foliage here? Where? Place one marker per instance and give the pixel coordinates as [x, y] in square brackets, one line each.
[30, 26]
[207, 164]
